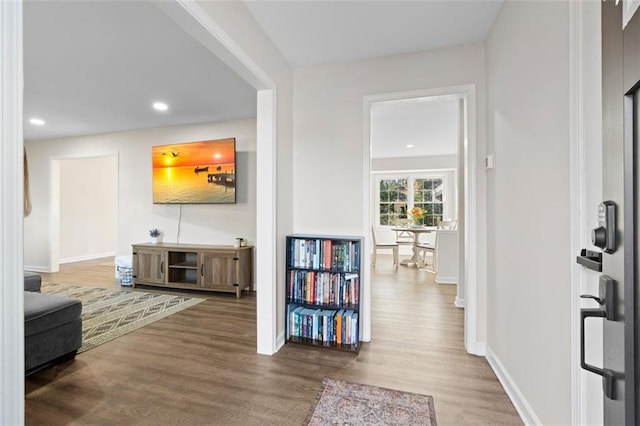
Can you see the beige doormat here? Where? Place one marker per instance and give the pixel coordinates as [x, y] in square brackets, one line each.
[108, 313]
[345, 403]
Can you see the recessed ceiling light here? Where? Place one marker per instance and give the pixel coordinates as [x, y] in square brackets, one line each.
[160, 106]
[36, 121]
[410, 145]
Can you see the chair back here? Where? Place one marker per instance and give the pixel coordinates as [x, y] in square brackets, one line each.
[373, 236]
[448, 224]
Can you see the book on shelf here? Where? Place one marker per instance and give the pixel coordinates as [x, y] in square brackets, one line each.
[325, 255]
[324, 288]
[323, 291]
[323, 325]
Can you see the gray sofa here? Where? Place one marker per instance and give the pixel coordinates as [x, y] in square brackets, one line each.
[52, 326]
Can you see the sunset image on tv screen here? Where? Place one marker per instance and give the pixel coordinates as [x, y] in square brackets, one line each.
[195, 172]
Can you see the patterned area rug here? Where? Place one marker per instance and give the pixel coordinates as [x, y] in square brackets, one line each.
[344, 403]
[109, 313]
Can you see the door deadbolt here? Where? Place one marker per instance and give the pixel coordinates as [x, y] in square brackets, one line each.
[604, 236]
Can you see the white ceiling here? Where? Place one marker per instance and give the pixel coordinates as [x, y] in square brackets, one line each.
[317, 32]
[429, 124]
[94, 67]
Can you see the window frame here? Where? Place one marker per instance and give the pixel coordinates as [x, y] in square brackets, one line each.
[411, 177]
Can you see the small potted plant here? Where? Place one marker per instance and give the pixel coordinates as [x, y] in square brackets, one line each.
[154, 233]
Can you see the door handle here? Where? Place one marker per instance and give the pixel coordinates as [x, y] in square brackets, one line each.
[607, 375]
[162, 267]
[597, 299]
[606, 310]
[202, 270]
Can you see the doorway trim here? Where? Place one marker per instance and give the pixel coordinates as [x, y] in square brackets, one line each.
[473, 282]
[11, 228]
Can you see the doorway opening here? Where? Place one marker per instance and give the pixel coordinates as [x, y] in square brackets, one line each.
[84, 206]
[462, 172]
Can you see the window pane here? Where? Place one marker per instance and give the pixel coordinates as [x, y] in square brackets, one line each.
[437, 183]
[384, 196]
[437, 209]
[384, 220]
[437, 197]
[428, 195]
[384, 209]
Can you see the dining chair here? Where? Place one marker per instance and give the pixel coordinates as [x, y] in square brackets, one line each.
[426, 250]
[430, 248]
[383, 246]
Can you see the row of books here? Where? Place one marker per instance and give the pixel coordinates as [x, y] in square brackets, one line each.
[324, 254]
[326, 288]
[323, 325]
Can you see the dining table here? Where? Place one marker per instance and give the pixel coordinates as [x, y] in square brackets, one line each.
[416, 231]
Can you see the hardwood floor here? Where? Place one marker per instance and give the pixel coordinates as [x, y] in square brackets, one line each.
[200, 367]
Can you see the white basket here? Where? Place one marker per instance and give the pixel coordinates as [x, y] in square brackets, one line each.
[126, 275]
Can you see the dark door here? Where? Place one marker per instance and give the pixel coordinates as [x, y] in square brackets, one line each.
[620, 77]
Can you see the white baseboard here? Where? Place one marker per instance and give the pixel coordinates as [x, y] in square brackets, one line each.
[87, 257]
[459, 303]
[32, 268]
[521, 404]
[280, 341]
[477, 348]
[446, 280]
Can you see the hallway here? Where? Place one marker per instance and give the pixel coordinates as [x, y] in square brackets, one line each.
[199, 366]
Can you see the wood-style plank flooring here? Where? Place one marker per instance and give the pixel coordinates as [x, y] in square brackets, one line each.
[200, 367]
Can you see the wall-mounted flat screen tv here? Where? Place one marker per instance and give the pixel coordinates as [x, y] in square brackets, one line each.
[201, 172]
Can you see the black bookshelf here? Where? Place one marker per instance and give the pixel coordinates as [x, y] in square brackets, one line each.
[323, 291]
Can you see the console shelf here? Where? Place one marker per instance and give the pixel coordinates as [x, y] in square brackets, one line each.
[195, 267]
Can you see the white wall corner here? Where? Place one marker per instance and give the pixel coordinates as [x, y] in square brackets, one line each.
[524, 409]
[266, 247]
[459, 302]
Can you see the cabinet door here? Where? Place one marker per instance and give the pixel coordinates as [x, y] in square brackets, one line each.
[149, 266]
[218, 270]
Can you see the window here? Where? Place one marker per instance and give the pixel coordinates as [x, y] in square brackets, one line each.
[393, 200]
[398, 195]
[427, 194]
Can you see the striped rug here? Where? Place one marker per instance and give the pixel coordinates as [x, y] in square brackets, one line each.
[109, 313]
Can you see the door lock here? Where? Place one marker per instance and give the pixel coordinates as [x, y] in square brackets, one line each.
[604, 236]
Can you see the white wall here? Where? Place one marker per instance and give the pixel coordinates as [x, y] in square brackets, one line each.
[328, 134]
[529, 259]
[415, 163]
[88, 207]
[206, 224]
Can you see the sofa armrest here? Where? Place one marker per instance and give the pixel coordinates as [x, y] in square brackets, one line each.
[32, 282]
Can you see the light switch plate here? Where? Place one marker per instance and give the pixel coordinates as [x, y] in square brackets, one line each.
[490, 162]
